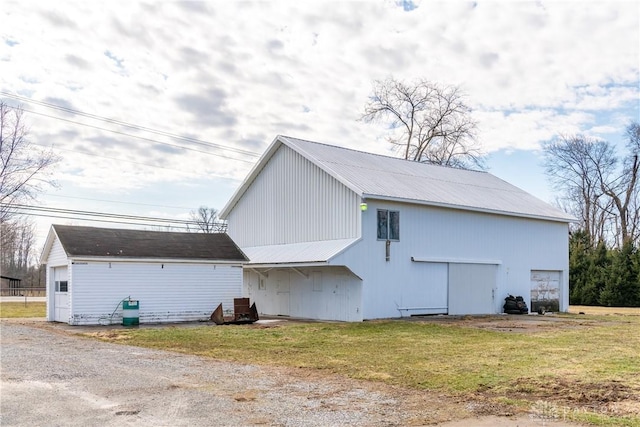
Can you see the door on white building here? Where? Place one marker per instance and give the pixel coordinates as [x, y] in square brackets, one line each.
[545, 290]
[472, 288]
[340, 302]
[61, 295]
[283, 291]
[426, 292]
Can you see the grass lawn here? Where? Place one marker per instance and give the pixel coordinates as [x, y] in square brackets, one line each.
[588, 309]
[587, 366]
[20, 309]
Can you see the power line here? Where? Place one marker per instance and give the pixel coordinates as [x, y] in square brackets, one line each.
[116, 201]
[112, 158]
[78, 215]
[130, 125]
[208, 174]
[45, 209]
[179, 227]
[136, 136]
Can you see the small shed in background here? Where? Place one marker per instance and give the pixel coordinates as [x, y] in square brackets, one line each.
[174, 276]
[10, 286]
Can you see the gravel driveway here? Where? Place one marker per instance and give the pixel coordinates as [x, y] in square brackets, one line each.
[53, 378]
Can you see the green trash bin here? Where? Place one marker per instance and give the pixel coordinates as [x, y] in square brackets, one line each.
[130, 312]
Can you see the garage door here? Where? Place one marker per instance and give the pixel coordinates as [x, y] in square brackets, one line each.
[471, 288]
[545, 290]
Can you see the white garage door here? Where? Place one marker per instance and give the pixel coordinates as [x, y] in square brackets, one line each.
[471, 288]
[545, 290]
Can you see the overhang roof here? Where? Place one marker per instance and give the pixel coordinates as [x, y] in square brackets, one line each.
[381, 177]
[93, 242]
[297, 253]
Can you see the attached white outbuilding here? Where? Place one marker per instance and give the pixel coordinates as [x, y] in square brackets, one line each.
[173, 276]
[339, 234]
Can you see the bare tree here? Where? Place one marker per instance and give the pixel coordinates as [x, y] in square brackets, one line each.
[601, 189]
[623, 188]
[17, 244]
[207, 220]
[633, 187]
[576, 165]
[24, 168]
[429, 122]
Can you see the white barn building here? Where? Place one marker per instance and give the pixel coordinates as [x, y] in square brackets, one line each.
[432, 240]
[173, 276]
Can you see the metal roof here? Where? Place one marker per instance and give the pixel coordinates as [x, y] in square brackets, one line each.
[379, 176]
[382, 177]
[297, 253]
[124, 243]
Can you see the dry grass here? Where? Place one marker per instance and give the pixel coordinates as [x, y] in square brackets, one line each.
[588, 364]
[604, 311]
[21, 309]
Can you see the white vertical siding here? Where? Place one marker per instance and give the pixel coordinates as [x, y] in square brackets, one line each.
[323, 293]
[516, 245]
[292, 200]
[167, 292]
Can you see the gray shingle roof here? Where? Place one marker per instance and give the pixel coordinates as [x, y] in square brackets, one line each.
[123, 243]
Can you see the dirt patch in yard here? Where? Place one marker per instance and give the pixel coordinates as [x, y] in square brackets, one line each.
[527, 323]
[571, 396]
[580, 392]
[513, 323]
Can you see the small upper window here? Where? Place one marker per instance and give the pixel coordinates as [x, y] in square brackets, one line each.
[62, 286]
[388, 225]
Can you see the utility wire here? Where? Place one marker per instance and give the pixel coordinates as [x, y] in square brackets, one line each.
[136, 136]
[208, 174]
[116, 201]
[129, 125]
[111, 158]
[77, 215]
[179, 227]
[44, 209]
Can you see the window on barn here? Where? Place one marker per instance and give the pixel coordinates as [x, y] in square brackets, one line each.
[388, 225]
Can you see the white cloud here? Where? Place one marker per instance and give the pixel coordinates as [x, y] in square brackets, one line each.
[240, 73]
[526, 129]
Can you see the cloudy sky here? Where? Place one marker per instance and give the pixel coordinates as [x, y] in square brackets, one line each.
[116, 87]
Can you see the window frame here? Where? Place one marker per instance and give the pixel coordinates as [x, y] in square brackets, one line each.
[60, 284]
[388, 229]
